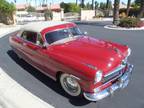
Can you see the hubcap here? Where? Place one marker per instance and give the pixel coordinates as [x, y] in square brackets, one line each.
[70, 85]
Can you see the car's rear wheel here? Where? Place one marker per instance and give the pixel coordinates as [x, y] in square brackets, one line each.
[70, 85]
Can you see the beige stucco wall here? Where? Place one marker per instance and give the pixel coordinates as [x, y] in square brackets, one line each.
[58, 16]
[87, 14]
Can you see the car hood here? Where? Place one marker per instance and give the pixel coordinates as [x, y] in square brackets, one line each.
[92, 52]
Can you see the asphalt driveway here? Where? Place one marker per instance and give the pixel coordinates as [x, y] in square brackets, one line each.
[51, 92]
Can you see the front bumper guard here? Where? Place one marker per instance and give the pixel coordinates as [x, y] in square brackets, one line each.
[120, 84]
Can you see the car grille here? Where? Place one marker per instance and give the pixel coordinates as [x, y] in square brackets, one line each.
[114, 74]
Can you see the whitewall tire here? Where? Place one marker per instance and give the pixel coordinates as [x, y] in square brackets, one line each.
[70, 85]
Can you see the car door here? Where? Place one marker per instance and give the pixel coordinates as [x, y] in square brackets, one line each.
[17, 42]
[33, 49]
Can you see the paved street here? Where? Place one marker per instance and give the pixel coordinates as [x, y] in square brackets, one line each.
[49, 91]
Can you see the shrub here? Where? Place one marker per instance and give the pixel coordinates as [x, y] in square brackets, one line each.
[130, 22]
[48, 15]
[70, 7]
[31, 9]
[140, 24]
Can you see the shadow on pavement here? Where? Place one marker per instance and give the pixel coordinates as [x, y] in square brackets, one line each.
[80, 101]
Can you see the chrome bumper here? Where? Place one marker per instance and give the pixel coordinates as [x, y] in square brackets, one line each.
[120, 84]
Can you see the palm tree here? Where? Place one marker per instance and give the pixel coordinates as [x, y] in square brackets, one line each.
[116, 12]
[141, 13]
[82, 3]
[92, 5]
[107, 8]
[107, 4]
[128, 7]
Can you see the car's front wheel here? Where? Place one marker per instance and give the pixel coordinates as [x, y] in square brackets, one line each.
[70, 85]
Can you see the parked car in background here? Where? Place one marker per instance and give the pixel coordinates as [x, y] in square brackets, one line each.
[82, 64]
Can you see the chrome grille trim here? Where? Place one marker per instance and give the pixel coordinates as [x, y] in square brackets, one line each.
[116, 70]
[113, 74]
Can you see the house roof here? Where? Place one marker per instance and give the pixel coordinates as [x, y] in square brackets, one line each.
[55, 6]
[39, 26]
[21, 6]
[52, 7]
[41, 8]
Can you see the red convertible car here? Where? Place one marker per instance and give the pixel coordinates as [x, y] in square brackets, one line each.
[83, 65]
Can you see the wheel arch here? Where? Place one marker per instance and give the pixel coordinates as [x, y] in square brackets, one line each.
[58, 74]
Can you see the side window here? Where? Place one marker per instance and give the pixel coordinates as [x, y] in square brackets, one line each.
[24, 35]
[30, 36]
[19, 33]
[39, 40]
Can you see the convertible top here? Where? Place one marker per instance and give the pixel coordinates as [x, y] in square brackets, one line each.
[39, 26]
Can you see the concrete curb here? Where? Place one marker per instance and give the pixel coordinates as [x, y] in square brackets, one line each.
[112, 27]
[86, 22]
[13, 95]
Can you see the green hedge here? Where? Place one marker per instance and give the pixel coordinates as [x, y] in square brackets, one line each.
[130, 22]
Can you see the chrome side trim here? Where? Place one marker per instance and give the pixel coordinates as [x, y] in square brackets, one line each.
[120, 84]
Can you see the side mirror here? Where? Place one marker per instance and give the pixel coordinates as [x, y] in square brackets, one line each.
[85, 33]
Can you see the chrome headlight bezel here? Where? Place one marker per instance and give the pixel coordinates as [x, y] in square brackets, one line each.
[129, 52]
[98, 76]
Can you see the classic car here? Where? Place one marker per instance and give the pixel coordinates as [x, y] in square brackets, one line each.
[83, 65]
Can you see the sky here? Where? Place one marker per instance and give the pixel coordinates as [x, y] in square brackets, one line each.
[58, 1]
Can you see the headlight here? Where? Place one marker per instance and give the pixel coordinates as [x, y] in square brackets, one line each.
[98, 76]
[129, 51]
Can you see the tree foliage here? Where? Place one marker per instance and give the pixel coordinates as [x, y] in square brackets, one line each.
[88, 6]
[6, 7]
[141, 12]
[31, 9]
[96, 4]
[103, 5]
[70, 7]
[48, 15]
[107, 5]
[138, 2]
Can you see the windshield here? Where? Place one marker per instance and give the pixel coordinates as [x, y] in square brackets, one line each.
[62, 34]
